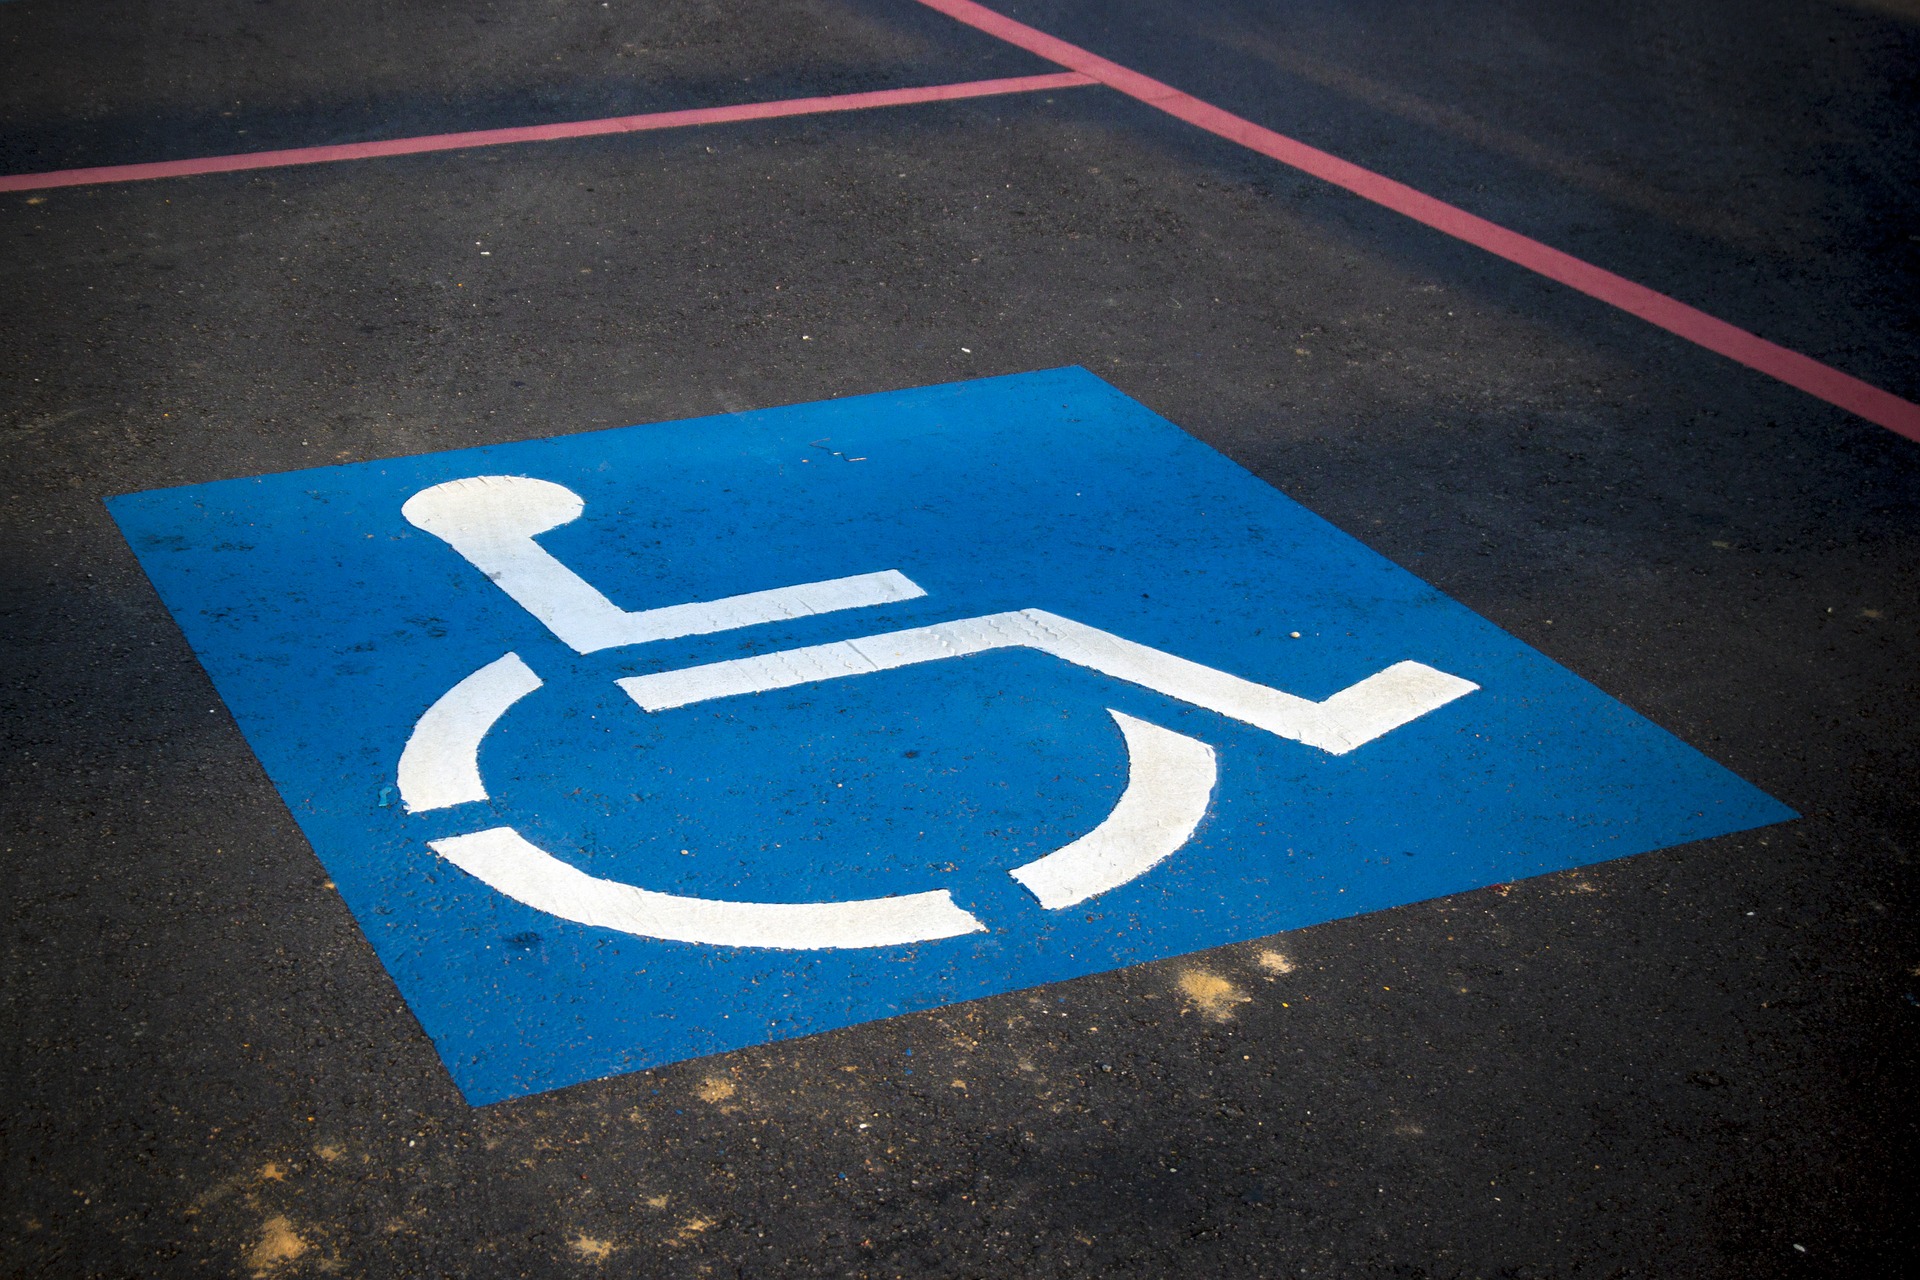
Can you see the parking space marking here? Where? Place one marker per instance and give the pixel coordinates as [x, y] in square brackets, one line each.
[1085, 68]
[503, 859]
[1350, 718]
[871, 810]
[440, 765]
[1170, 781]
[1819, 380]
[491, 521]
[542, 132]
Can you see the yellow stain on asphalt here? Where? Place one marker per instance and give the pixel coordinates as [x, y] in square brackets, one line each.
[1211, 994]
[1275, 961]
[592, 1248]
[278, 1245]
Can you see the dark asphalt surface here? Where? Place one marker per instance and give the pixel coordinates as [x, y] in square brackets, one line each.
[1697, 1062]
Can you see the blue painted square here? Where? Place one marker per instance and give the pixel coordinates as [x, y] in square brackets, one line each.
[331, 624]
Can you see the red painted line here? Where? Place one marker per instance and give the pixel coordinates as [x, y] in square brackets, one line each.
[541, 132]
[1807, 374]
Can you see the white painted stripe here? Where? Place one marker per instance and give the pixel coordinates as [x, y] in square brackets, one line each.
[440, 765]
[755, 607]
[1388, 699]
[491, 521]
[504, 860]
[1170, 780]
[1350, 718]
[1354, 716]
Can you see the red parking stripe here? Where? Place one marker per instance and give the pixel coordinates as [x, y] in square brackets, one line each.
[540, 132]
[1809, 375]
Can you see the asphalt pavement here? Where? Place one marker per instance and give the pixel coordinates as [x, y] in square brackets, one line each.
[1694, 1062]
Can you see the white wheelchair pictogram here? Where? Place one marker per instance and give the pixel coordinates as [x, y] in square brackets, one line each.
[492, 522]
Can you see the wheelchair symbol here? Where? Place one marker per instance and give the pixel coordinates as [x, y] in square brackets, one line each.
[492, 522]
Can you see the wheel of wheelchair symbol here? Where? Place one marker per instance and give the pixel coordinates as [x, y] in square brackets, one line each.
[492, 522]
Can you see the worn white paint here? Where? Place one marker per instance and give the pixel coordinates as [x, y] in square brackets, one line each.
[492, 522]
[1354, 716]
[507, 862]
[1170, 779]
[440, 765]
